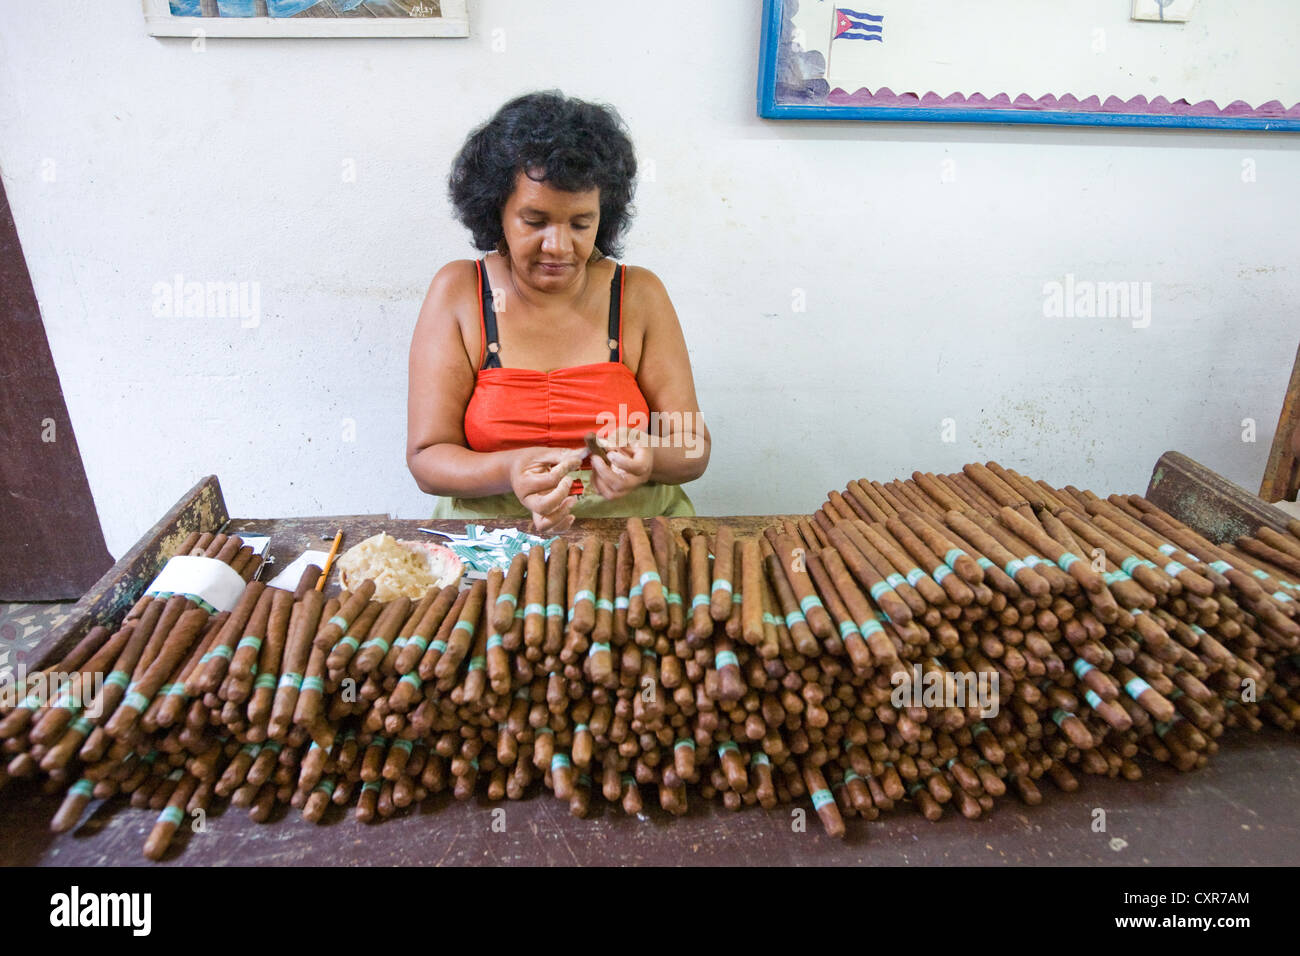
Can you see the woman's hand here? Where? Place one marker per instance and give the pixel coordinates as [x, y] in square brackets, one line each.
[631, 462]
[540, 480]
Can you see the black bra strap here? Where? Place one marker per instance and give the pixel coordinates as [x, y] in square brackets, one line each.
[615, 294]
[492, 347]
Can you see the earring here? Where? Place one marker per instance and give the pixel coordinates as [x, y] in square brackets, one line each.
[596, 255]
[502, 249]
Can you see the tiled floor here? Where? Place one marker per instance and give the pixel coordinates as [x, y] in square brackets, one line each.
[21, 627]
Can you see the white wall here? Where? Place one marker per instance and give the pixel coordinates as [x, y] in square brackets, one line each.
[924, 297]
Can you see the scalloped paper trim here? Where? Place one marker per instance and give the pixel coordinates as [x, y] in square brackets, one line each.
[1138, 105]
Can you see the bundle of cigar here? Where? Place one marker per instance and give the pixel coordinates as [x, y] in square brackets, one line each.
[1115, 630]
[933, 642]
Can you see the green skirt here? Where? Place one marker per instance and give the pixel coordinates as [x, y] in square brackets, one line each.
[647, 501]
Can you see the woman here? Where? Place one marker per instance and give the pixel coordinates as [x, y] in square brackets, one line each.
[518, 356]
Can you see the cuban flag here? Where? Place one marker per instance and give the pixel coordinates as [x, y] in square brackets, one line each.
[851, 25]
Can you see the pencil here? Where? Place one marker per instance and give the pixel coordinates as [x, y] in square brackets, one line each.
[329, 561]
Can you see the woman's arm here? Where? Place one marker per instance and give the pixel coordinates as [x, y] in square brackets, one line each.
[664, 375]
[440, 383]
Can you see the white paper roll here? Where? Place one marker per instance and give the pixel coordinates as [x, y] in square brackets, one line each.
[205, 581]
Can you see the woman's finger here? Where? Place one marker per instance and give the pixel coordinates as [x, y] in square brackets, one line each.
[571, 461]
[625, 439]
[559, 519]
[542, 460]
[634, 462]
[544, 502]
[549, 457]
[536, 484]
[545, 476]
[610, 481]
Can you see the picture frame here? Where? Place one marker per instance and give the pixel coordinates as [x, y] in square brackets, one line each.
[794, 81]
[308, 18]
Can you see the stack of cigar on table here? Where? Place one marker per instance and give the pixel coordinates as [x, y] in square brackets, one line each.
[935, 642]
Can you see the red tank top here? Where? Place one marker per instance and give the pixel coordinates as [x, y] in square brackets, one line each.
[520, 407]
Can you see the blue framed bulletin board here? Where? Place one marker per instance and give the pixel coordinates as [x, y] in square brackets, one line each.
[1073, 62]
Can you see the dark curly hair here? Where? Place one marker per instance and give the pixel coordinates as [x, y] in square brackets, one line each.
[574, 144]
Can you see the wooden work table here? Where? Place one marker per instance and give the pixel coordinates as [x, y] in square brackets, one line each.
[1239, 810]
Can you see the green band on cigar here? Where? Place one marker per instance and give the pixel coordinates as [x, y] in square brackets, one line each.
[871, 627]
[812, 601]
[1136, 687]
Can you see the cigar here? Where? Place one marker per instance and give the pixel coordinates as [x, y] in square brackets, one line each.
[595, 448]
